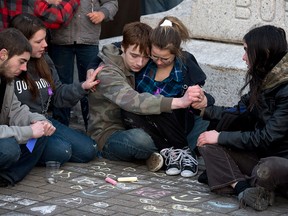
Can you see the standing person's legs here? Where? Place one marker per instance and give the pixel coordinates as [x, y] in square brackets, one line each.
[84, 55]
[63, 58]
[27, 161]
[172, 3]
[153, 6]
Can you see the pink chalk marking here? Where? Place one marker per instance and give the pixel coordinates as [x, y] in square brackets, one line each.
[111, 181]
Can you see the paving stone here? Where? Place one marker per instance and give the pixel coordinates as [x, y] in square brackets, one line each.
[82, 190]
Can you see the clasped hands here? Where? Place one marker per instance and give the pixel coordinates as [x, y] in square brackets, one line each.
[42, 128]
[194, 97]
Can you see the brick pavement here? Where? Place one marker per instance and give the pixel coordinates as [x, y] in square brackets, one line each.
[82, 190]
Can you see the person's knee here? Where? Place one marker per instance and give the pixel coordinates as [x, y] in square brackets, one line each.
[140, 136]
[206, 149]
[271, 166]
[87, 154]
[60, 152]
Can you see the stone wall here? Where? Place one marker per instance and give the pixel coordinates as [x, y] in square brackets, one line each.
[226, 20]
[217, 28]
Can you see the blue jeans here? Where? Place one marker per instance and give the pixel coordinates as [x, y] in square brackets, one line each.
[16, 161]
[67, 144]
[199, 127]
[129, 145]
[63, 57]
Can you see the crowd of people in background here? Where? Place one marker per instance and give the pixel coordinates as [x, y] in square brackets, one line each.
[141, 99]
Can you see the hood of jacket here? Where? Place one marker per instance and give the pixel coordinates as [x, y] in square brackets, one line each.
[111, 55]
[278, 75]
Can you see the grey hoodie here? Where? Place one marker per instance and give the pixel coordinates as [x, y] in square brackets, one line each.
[15, 119]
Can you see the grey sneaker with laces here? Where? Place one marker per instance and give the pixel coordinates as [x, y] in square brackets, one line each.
[189, 163]
[173, 159]
[257, 198]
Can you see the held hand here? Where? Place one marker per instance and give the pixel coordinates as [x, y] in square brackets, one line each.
[184, 101]
[96, 17]
[38, 129]
[200, 104]
[192, 94]
[91, 81]
[49, 129]
[196, 93]
[55, 2]
[208, 137]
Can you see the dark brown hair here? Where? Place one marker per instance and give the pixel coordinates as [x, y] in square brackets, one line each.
[14, 42]
[266, 45]
[29, 25]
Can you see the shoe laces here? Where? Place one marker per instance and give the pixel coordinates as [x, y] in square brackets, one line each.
[172, 156]
[188, 159]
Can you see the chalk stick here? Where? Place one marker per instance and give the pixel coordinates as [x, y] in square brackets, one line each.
[111, 181]
[127, 179]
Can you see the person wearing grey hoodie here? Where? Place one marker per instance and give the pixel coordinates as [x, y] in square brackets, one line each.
[18, 126]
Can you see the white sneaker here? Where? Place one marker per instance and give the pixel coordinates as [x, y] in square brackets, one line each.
[172, 160]
[154, 162]
[189, 163]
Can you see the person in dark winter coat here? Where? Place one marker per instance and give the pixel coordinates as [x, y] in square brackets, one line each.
[251, 161]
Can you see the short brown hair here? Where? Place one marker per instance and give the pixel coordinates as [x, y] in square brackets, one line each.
[137, 33]
[14, 42]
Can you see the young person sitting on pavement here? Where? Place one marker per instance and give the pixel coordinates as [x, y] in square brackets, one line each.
[116, 91]
[39, 87]
[169, 72]
[251, 161]
[18, 126]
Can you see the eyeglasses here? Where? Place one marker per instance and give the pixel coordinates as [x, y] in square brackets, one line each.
[163, 60]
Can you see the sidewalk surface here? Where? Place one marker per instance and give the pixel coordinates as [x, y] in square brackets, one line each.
[82, 190]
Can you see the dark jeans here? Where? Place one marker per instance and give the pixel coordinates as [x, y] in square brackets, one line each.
[68, 144]
[129, 145]
[164, 129]
[226, 166]
[16, 161]
[63, 57]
